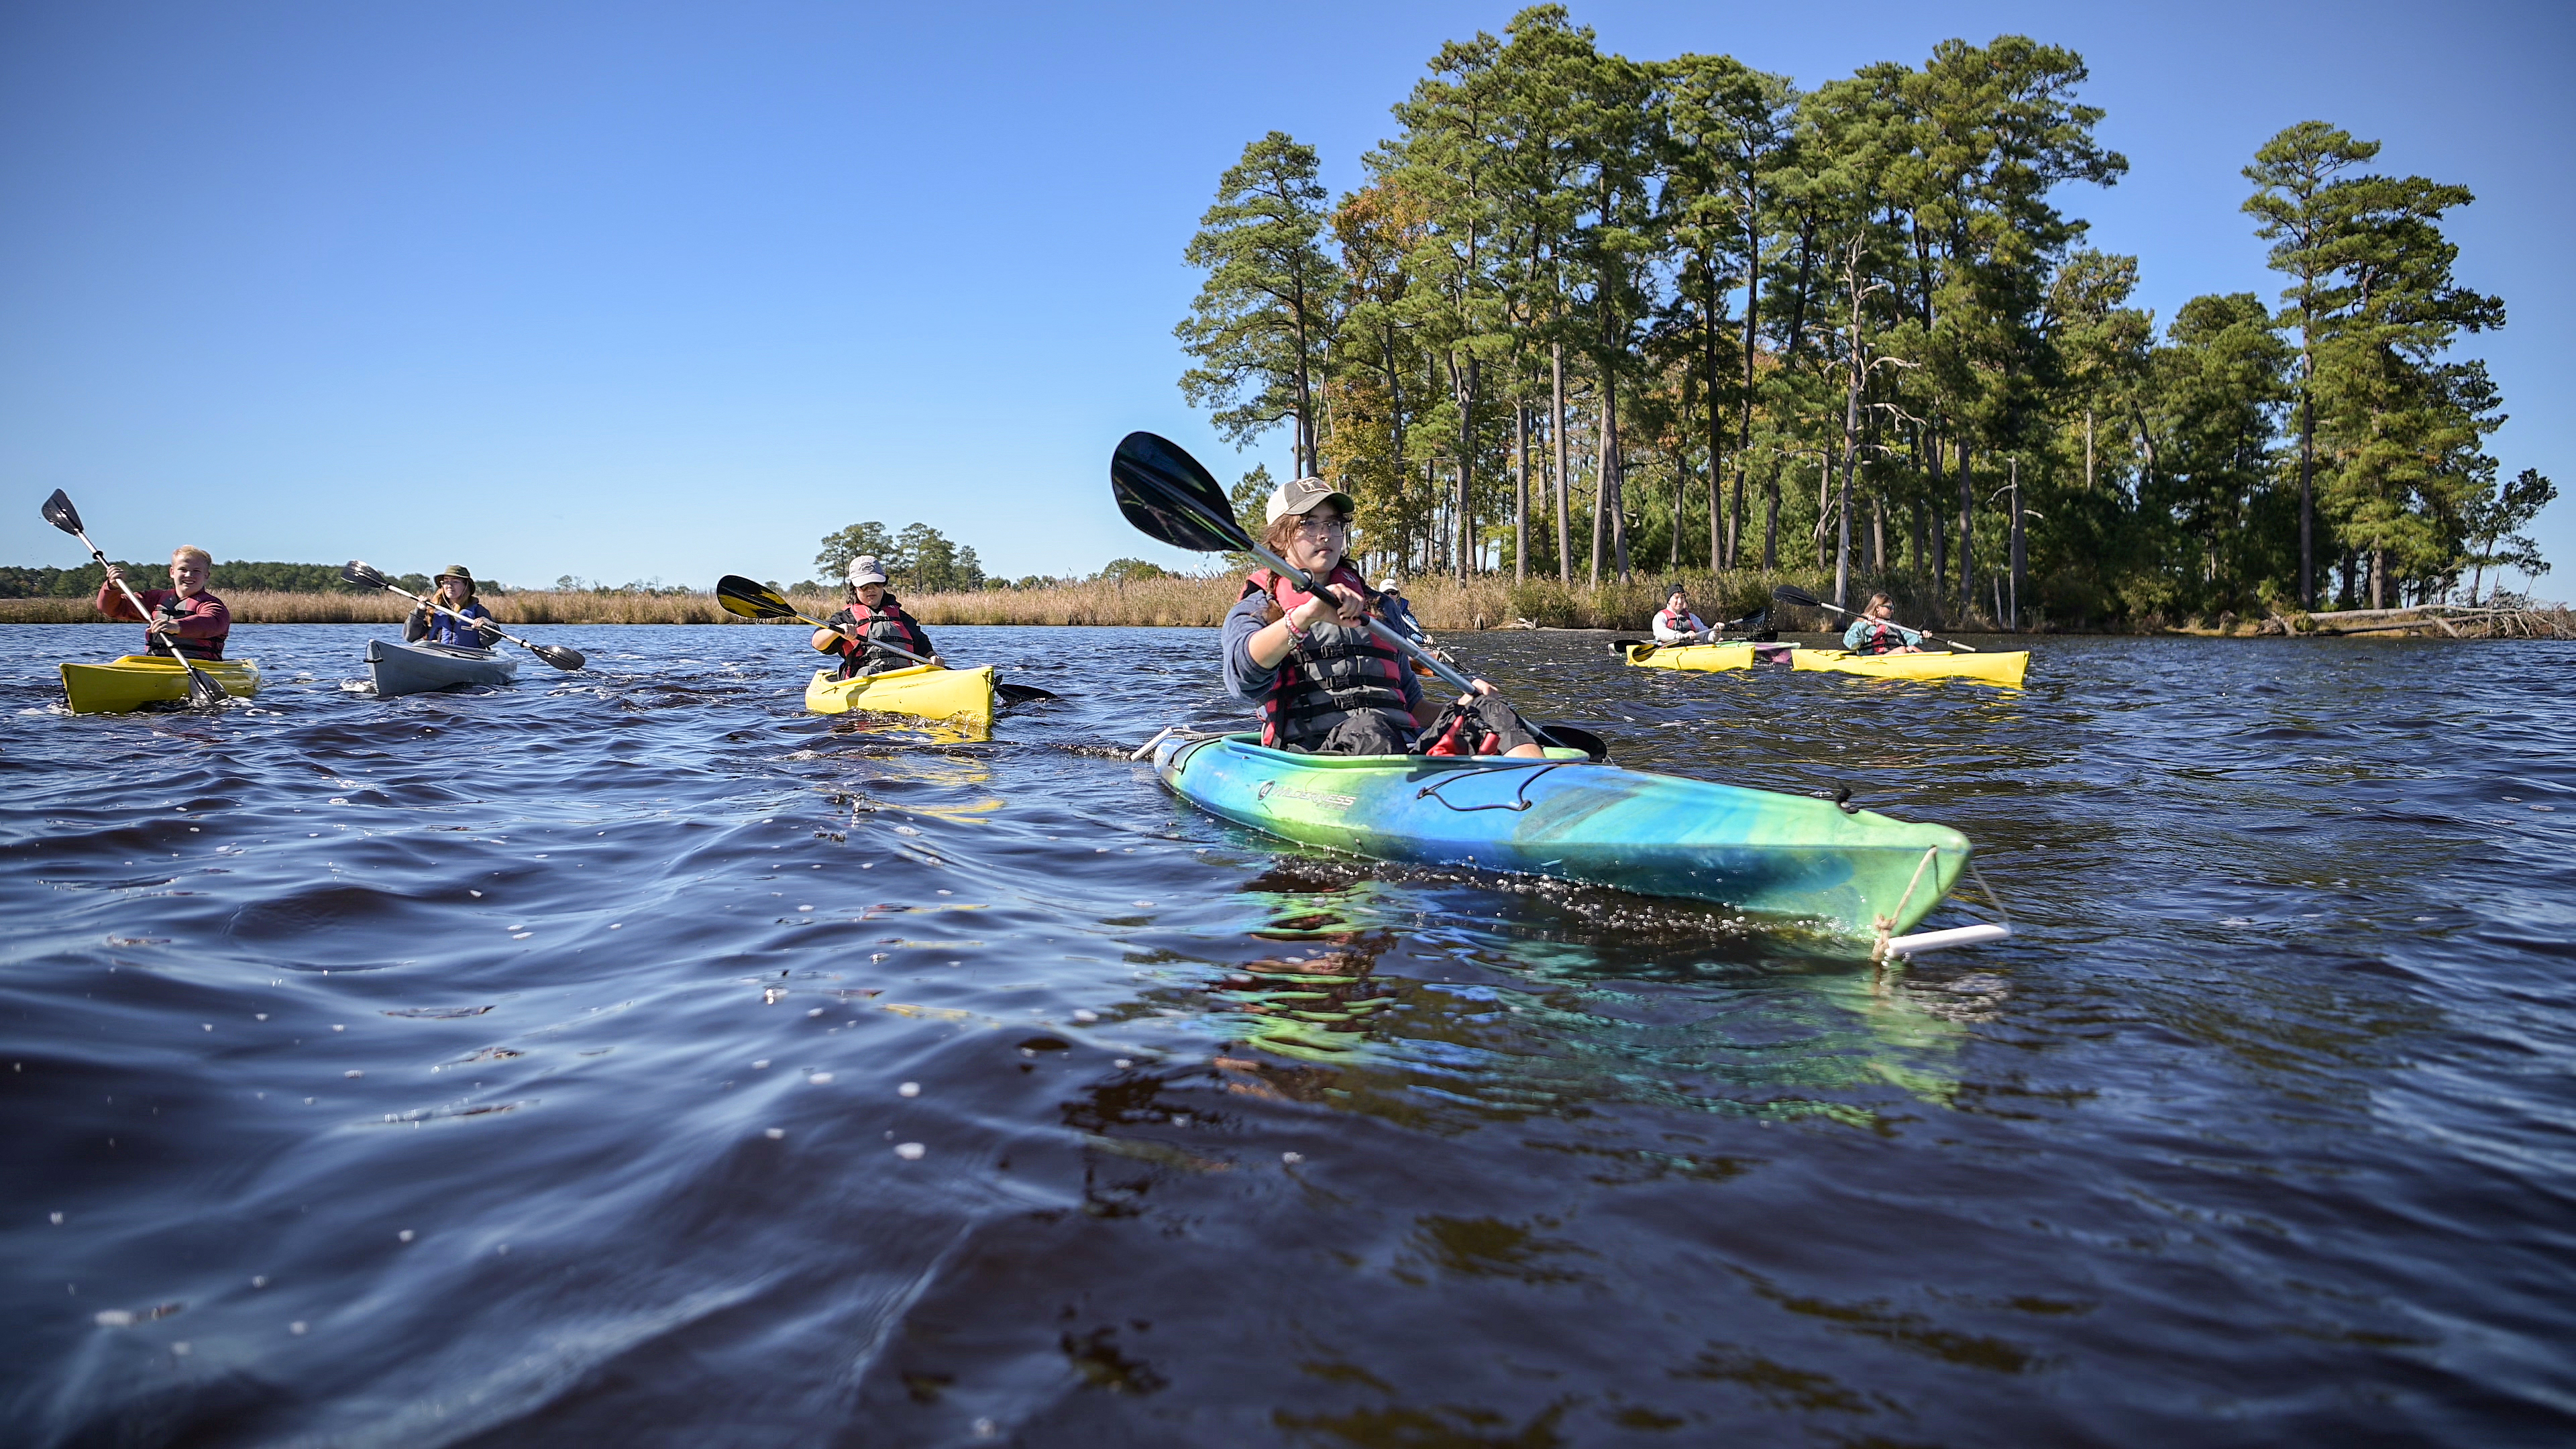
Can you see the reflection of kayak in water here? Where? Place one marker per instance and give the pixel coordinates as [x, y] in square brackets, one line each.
[1762, 850]
[2005, 667]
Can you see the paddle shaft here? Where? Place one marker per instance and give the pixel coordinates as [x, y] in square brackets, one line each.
[458, 615]
[1385, 635]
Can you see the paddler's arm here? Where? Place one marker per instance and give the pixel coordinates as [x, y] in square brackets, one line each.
[111, 599]
[1274, 641]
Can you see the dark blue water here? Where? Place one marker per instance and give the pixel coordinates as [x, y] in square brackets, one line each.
[630, 1058]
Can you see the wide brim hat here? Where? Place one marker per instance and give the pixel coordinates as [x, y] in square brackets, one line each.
[1306, 495]
[455, 571]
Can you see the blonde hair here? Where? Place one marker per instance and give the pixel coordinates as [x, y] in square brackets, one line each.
[190, 550]
[1875, 600]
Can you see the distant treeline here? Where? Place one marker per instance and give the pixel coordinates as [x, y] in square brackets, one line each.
[282, 578]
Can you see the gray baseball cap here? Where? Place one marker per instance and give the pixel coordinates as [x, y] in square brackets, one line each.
[1305, 496]
[866, 570]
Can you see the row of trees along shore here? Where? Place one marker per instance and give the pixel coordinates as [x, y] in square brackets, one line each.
[1596, 317]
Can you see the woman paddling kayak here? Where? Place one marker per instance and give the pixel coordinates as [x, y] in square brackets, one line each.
[436, 626]
[1324, 684]
[1871, 633]
[1676, 624]
[184, 618]
[872, 620]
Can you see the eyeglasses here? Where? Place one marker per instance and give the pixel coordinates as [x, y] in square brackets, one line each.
[1327, 523]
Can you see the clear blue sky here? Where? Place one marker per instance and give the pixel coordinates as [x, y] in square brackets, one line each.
[634, 290]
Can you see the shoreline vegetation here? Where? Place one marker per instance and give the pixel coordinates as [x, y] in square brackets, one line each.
[1443, 604]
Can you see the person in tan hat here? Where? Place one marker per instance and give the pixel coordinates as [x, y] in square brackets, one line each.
[440, 626]
[1325, 684]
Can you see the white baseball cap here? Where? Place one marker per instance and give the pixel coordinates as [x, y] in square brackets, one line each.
[866, 570]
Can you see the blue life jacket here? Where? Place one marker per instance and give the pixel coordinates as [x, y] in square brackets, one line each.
[446, 628]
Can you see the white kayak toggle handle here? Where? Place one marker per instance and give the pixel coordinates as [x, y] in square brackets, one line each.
[1921, 941]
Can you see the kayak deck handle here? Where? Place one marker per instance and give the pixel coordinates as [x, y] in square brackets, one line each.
[1520, 795]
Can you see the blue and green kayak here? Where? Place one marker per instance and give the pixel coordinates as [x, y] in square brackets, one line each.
[1565, 816]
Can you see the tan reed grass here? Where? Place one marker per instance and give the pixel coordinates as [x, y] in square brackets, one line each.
[1443, 604]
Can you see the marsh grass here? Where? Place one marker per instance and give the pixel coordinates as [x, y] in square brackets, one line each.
[1443, 604]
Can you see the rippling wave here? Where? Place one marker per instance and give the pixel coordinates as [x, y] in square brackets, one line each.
[630, 1057]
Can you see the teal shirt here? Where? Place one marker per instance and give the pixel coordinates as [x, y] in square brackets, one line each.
[1863, 636]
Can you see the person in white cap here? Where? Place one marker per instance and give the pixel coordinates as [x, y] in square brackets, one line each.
[1324, 683]
[873, 620]
[1397, 610]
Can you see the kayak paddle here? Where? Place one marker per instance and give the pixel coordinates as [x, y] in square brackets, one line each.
[747, 599]
[203, 691]
[1170, 498]
[559, 655]
[1788, 595]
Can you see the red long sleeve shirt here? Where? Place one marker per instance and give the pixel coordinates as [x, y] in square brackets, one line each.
[203, 620]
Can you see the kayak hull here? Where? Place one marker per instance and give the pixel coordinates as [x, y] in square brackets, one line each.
[1760, 850]
[925, 690]
[2003, 667]
[140, 679]
[419, 668]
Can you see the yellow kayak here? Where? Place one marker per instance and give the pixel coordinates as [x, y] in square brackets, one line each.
[924, 690]
[139, 679]
[1707, 658]
[1996, 668]
[1986, 668]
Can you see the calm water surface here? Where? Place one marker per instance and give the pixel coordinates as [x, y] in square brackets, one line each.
[631, 1058]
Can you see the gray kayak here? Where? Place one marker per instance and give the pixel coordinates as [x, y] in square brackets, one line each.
[419, 668]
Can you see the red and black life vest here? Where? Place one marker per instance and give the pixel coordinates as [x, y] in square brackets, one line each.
[1331, 673]
[887, 623]
[173, 605]
[1883, 638]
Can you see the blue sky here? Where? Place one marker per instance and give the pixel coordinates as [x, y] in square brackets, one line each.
[635, 290]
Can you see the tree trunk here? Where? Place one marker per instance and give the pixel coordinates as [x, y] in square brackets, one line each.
[1556, 437]
[2020, 560]
[1770, 518]
[1466, 517]
[1520, 493]
[1618, 473]
[1600, 482]
[2307, 475]
[1878, 538]
[1967, 534]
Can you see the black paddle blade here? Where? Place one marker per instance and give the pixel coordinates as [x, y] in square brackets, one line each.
[60, 513]
[1021, 693]
[203, 691]
[1622, 646]
[1575, 739]
[559, 655]
[1788, 595]
[750, 599]
[1169, 497]
[357, 572]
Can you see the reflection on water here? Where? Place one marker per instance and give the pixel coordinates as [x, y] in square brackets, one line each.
[630, 1057]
